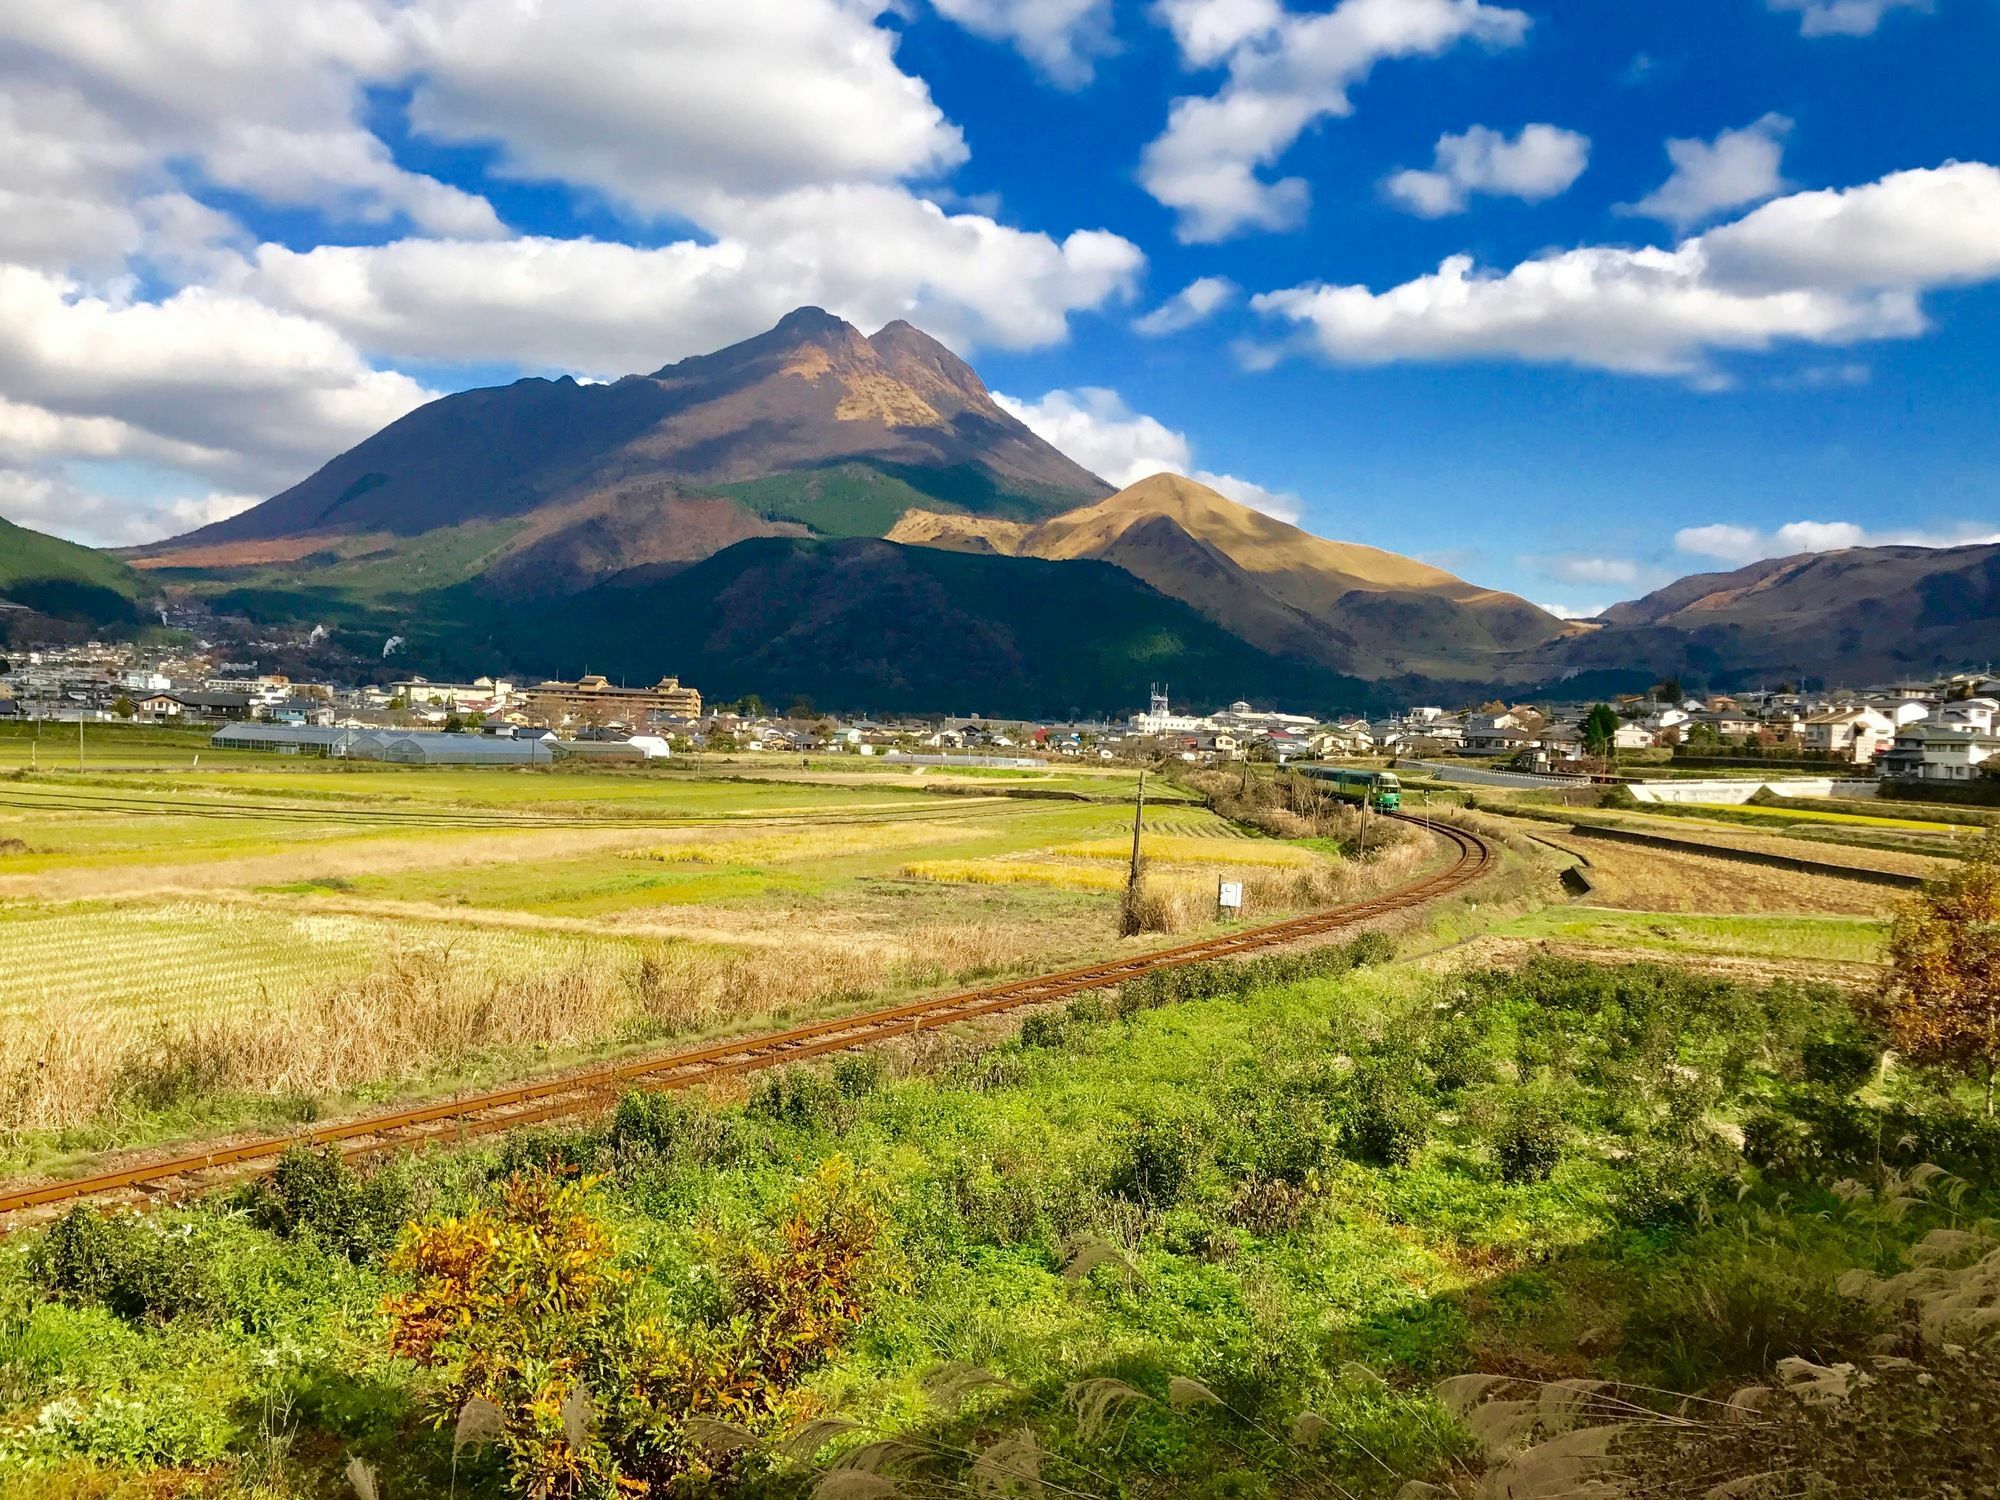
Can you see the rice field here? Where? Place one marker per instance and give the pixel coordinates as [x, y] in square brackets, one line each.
[1812, 815]
[177, 960]
[1260, 853]
[1053, 873]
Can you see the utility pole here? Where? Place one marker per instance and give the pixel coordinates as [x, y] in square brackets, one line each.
[79, 739]
[1138, 815]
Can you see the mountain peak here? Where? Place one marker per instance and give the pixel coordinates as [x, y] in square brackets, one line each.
[925, 365]
[808, 321]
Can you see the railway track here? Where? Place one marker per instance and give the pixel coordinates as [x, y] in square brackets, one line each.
[596, 1089]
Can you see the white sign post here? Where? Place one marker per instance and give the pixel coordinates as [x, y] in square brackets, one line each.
[1229, 895]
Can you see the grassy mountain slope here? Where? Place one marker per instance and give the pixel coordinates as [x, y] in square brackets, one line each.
[868, 624]
[1348, 607]
[65, 581]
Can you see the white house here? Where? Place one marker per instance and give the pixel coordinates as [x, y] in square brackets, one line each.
[1856, 734]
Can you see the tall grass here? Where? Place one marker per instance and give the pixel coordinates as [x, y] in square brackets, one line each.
[428, 1010]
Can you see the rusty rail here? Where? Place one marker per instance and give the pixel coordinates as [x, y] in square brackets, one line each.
[595, 1090]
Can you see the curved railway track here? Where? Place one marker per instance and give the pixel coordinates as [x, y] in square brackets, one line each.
[596, 1089]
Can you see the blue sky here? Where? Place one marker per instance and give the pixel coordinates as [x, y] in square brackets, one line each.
[1571, 298]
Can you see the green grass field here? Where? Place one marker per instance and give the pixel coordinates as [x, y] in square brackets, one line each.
[1222, 1242]
[1838, 939]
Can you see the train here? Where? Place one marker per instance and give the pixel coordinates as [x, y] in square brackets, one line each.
[1379, 789]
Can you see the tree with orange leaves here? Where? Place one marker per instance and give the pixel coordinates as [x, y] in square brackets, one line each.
[1941, 1001]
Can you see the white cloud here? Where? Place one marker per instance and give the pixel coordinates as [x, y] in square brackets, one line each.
[1095, 427]
[1844, 17]
[1200, 299]
[1063, 38]
[1282, 505]
[1826, 268]
[1574, 611]
[1932, 227]
[659, 106]
[1594, 569]
[1540, 162]
[219, 382]
[1286, 71]
[263, 98]
[1737, 544]
[1737, 167]
[1649, 312]
[869, 254]
[79, 513]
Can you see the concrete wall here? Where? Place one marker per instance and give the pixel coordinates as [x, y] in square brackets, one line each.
[1741, 789]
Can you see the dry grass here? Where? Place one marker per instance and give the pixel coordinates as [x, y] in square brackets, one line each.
[1049, 872]
[808, 844]
[428, 1010]
[1195, 851]
[1635, 878]
[1173, 903]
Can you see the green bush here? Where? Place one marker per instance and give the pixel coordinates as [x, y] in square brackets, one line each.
[1528, 1140]
[802, 1097]
[1046, 1029]
[315, 1192]
[1665, 1181]
[1740, 1314]
[129, 1265]
[1842, 1063]
[657, 1126]
[1389, 1120]
[856, 1075]
[1455, 1053]
[1160, 1164]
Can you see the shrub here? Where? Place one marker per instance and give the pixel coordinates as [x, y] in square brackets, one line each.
[315, 1192]
[804, 1098]
[1269, 1208]
[128, 1265]
[1160, 1165]
[1389, 1120]
[548, 1148]
[1842, 1063]
[1665, 1180]
[1046, 1029]
[1455, 1053]
[523, 1306]
[1528, 1141]
[856, 1075]
[1740, 1314]
[657, 1126]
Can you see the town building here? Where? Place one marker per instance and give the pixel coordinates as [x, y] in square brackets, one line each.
[1933, 751]
[593, 700]
[481, 695]
[1856, 734]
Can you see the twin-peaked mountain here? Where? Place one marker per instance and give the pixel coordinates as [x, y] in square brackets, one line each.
[551, 485]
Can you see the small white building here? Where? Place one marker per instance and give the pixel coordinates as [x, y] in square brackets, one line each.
[1856, 734]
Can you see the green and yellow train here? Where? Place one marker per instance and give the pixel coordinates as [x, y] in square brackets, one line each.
[1378, 789]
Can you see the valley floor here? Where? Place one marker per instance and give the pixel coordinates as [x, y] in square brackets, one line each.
[1221, 1234]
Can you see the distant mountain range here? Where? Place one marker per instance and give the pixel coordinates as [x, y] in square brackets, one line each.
[1863, 614]
[854, 519]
